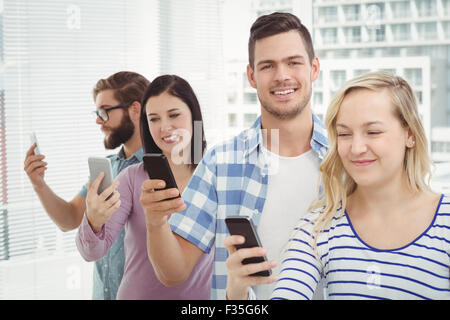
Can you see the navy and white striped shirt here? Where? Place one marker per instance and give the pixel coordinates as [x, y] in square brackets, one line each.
[354, 270]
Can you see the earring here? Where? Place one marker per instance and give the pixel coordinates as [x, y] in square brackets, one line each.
[411, 144]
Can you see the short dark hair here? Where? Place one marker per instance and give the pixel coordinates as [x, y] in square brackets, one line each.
[275, 23]
[180, 88]
[128, 86]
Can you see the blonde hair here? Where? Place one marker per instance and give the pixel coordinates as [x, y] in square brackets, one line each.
[336, 183]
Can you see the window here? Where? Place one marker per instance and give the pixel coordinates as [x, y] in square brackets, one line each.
[338, 77]
[413, 76]
[245, 83]
[250, 98]
[328, 14]
[249, 119]
[401, 9]
[232, 97]
[435, 146]
[418, 95]
[401, 32]
[352, 12]
[426, 8]
[395, 51]
[269, 11]
[358, 72]
[427, 31]
[376, 33]
[267, 6]
[319, 82]
[448, 101]
[366, 53]
[232, 120]
[446, 27]
[446, 7]
[329, 35]
[352, 34]
[318, 98]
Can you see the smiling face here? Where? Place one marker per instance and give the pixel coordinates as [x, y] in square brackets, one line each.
[282, 74]
[170, 123]
[371, 141]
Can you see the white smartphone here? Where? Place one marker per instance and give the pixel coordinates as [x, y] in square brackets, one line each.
[33, 140]
[97, 165]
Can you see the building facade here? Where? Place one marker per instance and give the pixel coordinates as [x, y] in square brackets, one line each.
[410, 38]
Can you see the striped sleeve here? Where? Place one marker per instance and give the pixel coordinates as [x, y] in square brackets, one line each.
[300, 269]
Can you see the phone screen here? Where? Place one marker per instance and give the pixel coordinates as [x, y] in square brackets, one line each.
[157, 167]
[97, 165]
[33, 140]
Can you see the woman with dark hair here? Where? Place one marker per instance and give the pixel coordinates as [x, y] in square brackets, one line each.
[171, 124]
[169, 89]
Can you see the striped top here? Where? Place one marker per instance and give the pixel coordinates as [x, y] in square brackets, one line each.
[354, 270]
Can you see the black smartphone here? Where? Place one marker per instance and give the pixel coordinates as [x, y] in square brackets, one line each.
[157, 167]
[243, 226]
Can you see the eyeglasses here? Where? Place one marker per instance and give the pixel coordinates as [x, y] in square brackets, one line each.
[103, 112]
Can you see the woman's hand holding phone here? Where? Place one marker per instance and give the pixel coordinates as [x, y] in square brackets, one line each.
[100, 207]
[159, 203]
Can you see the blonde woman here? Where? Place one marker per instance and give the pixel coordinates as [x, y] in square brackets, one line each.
[377, 231]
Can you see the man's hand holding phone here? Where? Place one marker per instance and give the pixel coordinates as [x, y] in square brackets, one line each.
[35, 167]
[241, 276]
[159, 203]
[100, 207]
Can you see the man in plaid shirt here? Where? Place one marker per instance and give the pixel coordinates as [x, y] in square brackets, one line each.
[284, 147]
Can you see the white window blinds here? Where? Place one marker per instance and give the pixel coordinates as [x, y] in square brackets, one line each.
[191, 46]
[54, 52]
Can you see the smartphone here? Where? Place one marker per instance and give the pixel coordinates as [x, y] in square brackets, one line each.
[243, 226]
[33, 140]
[157, 167]
[97, 165]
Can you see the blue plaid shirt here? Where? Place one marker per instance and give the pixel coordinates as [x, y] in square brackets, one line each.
[230, 180]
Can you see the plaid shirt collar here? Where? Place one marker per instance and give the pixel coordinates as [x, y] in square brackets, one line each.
[253, 137]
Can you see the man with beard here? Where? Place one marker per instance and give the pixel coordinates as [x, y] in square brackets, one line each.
[268, 172]
[118, 108]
